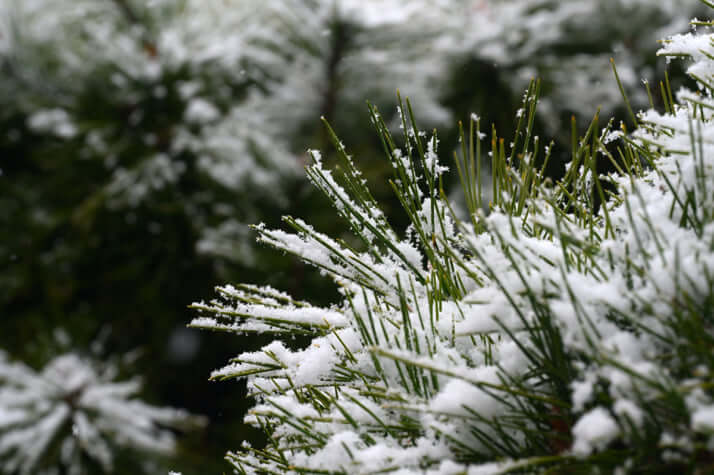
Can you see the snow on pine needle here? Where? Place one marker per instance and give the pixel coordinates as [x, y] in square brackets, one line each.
[562, 326]
[73, 414]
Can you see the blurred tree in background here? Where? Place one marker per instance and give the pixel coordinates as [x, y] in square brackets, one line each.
[140, 139]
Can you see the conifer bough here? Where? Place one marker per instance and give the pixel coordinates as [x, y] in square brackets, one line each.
[563, 327]
[74, 417]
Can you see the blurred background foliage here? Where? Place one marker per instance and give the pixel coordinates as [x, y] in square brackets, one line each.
[138, 140]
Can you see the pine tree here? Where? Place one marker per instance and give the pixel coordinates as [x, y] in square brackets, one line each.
[563, 325]
[139, 139]
[74, 417]
[141, 98]
[566, 44]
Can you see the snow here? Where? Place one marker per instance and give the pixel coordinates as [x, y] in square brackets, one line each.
[74, 400]
[583, 391]
[440, 356]
[458, 375]
[594, 431]
[200, 110]
[433, 322]
[703, 419]
[629, 411]
[248, 144]
[55, 121]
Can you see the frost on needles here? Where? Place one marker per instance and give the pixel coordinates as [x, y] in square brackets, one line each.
[564, 326]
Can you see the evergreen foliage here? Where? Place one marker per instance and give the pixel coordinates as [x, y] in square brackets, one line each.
[567, 45]
[561, 326]
[74, 416]
[139, 139]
